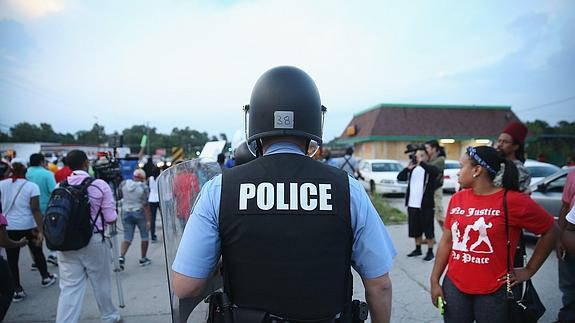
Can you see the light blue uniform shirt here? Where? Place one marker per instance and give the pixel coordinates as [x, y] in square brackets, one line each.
[199, 250]
[346, 163]
[45, 181]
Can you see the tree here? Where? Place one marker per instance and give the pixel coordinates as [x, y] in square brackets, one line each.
[95, 136]
[555, 143]
[4, 137]
[538, 127]
[25, 132]
[133, 136]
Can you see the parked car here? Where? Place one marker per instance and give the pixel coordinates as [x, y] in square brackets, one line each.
[539, 170]
[380, 176]
[548, 192]
[450, 175]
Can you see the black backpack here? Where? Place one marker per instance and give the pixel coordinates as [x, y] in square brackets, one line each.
[67, 223]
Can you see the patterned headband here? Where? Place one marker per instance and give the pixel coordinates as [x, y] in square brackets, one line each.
[472, 152]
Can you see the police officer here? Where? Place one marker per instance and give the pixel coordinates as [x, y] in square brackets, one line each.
[288, 228]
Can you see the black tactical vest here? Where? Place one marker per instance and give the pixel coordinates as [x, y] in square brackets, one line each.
[286, 237]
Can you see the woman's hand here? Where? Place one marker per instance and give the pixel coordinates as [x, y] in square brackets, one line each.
[22, 242]
[436, 291]
[39, 239]
[518, 275]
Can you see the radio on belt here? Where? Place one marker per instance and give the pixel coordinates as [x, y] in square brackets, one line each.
[304, 196]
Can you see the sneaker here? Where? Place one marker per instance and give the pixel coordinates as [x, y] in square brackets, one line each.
[18, 296]
[145, 261]
[429, 256]
[414, 253]
[154, 240]
[33, 267]
[52, 259]
[49, 281]
[121, 261]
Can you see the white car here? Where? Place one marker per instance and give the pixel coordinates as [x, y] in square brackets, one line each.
[380, 176]
[539, 170]
[450, 174]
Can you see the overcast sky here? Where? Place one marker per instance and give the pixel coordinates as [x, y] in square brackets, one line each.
[180, 63]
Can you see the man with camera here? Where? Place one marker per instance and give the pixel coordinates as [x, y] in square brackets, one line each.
[421, 180]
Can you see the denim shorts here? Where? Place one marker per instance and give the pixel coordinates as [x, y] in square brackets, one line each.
[132, 219]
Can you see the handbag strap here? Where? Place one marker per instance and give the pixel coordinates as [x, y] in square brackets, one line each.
[508, 258]
[15, 197]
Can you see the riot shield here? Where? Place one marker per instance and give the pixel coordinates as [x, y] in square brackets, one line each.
[178, 188]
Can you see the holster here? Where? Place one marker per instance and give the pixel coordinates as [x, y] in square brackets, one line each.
[220, 309]
[359, 311]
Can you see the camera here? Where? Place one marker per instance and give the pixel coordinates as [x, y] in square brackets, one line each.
[411, 149]
[107, 168]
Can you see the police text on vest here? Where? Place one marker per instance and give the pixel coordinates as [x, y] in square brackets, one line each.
[307, 196]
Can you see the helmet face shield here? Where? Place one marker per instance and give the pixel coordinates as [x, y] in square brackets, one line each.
[312, 148]
[252, 146]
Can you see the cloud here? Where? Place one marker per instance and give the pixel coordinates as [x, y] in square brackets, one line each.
[24, 10]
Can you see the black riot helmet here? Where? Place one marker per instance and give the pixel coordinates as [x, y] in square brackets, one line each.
[242, 154]
[284, 102]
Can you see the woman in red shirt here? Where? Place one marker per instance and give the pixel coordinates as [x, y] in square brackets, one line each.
[474, 240]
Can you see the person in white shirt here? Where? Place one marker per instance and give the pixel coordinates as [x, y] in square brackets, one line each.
[421, 178]
[152, 172]
[21, 207]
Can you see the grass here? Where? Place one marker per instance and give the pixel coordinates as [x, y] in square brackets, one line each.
[388, 214]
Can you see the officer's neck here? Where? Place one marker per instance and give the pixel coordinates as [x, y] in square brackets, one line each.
[268, 142]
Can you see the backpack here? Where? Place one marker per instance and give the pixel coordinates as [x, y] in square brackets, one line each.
[67, 222]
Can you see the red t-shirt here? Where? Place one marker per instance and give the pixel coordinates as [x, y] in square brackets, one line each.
[477, 225]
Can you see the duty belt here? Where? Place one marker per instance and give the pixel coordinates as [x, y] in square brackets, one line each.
[221, 310]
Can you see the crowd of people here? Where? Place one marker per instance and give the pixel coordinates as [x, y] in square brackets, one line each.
[261, 219]
[25, 191]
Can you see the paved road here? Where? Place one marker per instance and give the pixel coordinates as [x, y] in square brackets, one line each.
[146, 293]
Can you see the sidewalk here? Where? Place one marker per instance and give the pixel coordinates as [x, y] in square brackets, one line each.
[146, 292]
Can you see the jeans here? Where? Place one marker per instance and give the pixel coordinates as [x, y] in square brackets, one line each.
[567, 287]
[131, 220]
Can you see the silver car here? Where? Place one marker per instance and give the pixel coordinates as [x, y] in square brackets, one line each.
[548, 191]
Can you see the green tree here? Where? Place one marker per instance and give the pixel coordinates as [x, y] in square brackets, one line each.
[133, 136]
[4, 137]
[95, 136]
[25, 132]
[538, 127]
[191, 140]
[553, 142]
